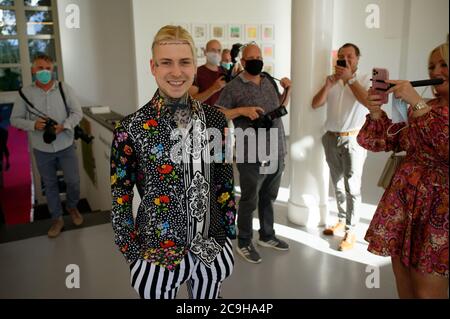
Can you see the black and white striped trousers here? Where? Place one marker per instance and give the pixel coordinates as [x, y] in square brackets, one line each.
[155, 282]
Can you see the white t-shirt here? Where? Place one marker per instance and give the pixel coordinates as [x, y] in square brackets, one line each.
[344, 112]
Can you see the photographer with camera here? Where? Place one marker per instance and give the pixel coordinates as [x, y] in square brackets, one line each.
[345, 93]
[210, 78]
[246, 98]
[51, 129]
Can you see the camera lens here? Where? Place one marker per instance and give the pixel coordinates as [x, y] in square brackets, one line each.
[49, 134]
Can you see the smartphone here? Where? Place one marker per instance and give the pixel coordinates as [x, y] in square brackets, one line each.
[379, 75]
[341, 63]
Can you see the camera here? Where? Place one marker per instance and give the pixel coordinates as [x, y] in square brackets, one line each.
[226, 76]
[79, 133]
[266, 121]
[50, 132]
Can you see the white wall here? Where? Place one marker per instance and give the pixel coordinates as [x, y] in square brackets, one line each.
[409, 29]
[98, 58]
[149, 18]
[107, 59]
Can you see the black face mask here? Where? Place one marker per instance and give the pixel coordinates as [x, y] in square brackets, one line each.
[254, 67]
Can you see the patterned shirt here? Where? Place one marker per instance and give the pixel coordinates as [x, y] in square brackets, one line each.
[242, 92]
[187, 201]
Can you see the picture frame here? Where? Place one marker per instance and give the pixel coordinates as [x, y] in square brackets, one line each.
[200, 49]
[268, 51]
[199, 32]
[235, 33]
[267, 32]
[269, 68]
[251, 32]
[218, 32]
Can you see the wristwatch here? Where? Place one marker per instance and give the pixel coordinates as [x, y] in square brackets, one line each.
[420, 105]
[352, 80]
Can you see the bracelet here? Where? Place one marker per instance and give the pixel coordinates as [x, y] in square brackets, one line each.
[420, 105]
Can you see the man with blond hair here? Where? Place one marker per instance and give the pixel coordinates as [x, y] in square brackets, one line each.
[185, 220]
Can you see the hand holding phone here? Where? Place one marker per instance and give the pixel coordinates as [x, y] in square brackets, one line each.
[379, 75]
[341, 63]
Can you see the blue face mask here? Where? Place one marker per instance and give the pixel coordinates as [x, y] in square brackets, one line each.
[399, 111]
[44, 76]
[226, 65]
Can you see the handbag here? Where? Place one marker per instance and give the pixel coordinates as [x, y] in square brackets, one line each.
[389, 169]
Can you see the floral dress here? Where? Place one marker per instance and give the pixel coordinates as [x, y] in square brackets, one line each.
[411, 220]
[187, 198]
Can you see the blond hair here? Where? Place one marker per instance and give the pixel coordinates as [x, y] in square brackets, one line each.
[173, 33]
[443, 49]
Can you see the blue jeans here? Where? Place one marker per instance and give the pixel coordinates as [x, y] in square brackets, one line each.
[48, 165]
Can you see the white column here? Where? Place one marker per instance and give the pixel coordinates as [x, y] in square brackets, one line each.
[312, 33]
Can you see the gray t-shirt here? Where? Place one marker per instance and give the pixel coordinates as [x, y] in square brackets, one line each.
[242, 92]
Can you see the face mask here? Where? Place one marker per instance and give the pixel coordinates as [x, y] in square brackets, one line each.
[226, 65]
[399, 111]
[254, 67]
[213, 58]
[44, 76]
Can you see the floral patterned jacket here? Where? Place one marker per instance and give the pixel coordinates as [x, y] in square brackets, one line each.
[187, 200]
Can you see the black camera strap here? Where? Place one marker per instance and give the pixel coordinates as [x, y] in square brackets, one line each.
[37, 113]
[61, 91]
[275, 85]
[63, 97]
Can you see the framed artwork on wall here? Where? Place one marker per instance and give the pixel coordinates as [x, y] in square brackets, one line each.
[267, 32]
[199, 32]
[269, 68]
[218, 32]
[200, 49]
[268, 51]
[251, 32]
[235, 33]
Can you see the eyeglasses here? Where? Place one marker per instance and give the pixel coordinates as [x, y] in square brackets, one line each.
[247, 44]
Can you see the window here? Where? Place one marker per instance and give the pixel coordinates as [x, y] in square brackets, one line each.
[27, 27]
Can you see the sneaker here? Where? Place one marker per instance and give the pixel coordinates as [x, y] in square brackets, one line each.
[274, 243]
[77, 218]
[249, 253]
[348, 242]
[56, 228]
[330, 231]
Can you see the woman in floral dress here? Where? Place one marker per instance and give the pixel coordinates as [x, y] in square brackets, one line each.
[411, 221]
